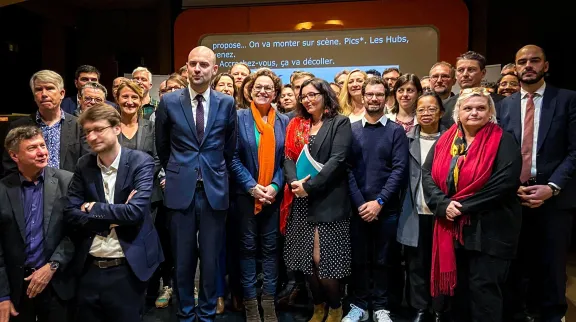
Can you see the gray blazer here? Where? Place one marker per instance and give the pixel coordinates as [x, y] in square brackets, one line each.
[408, 223]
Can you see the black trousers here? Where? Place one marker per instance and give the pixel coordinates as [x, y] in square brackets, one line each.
[419, 265]
[112, 294]
[537, 282]
[371, 246]
[165, 270]
[233, 221]
[478, 294]
[45, 307]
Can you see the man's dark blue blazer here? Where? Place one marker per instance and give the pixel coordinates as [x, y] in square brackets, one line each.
[136, 232]
[245, 163]
[556, 151]
[183, 156]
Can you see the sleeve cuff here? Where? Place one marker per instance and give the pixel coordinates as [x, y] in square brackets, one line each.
[6, 298]
[554, 185]
[275, 186]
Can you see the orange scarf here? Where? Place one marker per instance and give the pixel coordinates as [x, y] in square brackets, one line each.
[266, 149]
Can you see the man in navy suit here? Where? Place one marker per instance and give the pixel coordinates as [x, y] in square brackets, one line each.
[117, 247]
[543, 120]
[195, 140]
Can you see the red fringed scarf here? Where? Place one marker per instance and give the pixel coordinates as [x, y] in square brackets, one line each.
[471, 172]
[297, 134]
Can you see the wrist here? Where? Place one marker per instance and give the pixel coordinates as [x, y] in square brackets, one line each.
[54, 266]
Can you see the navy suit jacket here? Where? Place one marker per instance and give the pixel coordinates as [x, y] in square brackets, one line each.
[182, 155]
[556, 150]
[136, 232]
[245, 163]
[70, 104]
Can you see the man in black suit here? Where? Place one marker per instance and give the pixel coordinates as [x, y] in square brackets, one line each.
[84, 74]
[61, 132]
[470, 70]
[34, 250]
[543, 121]
[118, 248]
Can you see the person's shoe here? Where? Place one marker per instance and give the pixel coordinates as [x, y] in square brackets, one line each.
[382, 316]
[237, 304]
[335, 315]
[164, 297]
[269, 308]
[356, 314]
[220, 306]
[319, 313]
[422, 316]
[251, 308]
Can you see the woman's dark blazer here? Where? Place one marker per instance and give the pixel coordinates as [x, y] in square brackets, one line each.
[145, 142]
[329, 199]
[495, 211]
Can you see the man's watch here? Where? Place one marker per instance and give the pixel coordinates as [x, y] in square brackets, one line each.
[380, 201]
[555, 190]
[54, 265]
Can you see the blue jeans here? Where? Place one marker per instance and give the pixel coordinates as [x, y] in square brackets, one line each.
[262, 227]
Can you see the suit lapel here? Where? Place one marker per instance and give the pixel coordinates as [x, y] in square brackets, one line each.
[249, 124]
[15, 196]
[65, 135]
[546, 114]
[140, 140]
[321, 135]
[214, 106]
[415, 153]
[50, 192]
[516, 117]
[186, 104]
[123, 167]
[95, 175]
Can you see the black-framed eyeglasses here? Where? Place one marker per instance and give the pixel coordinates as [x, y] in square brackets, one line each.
[377, 95]
[310, 96]
[98, 130]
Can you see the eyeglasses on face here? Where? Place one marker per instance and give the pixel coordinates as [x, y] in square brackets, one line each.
[311, 97]
[98, 130]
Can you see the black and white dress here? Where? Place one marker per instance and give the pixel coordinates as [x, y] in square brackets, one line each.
[335, 252]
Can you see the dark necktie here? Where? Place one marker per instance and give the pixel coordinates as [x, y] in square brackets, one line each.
[527, 140]
[199, 118]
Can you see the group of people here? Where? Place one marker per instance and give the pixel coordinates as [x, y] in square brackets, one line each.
[463, 200]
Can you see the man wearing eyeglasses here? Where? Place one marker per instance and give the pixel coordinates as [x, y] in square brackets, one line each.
[378, 161]
[91, 94]
[442, 79]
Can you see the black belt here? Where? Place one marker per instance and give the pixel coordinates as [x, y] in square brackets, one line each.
[108, 262]
[529, 182]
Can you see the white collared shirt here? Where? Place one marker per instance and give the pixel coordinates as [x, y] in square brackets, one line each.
[538, 98]
[382, 120]
[109, 246]
[205, 103]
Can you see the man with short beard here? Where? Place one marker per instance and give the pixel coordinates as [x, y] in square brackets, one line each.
[442, 79]
[378, 163]
[543, 121]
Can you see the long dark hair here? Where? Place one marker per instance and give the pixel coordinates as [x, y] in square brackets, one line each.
[331, 106]
[402, 80]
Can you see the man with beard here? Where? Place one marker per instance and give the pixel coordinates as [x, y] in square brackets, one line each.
[378, 159]
[543, 121]
[442, 79]
[470, 70]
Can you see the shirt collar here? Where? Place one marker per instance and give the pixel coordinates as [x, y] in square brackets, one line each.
[540, 91]
[193, 94]
[113, 166]
[39, 117]
[23, 180]
[382, 120]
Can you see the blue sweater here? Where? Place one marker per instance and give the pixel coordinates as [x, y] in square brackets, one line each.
[378, 164]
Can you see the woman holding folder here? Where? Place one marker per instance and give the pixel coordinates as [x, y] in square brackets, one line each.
[257, 168]
[316, 207]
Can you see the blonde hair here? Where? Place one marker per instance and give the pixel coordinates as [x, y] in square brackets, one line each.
[345, 99]
[47, 76]
[467, 93]
[135, 88]
[143, 69]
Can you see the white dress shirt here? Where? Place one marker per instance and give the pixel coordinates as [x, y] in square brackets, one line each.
[538, 98]
[382, 120]
[109, 246]
[205, 104]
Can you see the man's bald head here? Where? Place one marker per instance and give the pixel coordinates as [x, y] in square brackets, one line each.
[531, 65]
[531, 48]
[201, 67]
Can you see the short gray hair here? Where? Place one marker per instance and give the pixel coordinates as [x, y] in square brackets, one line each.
[47, 76]
[19, 134]
[94, 85]
[143, 69]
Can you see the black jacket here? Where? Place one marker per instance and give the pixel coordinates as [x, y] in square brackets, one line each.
[329, 199]
[495, 211]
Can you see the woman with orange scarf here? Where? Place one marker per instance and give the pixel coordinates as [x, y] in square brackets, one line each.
[470, 179]
[257, 170]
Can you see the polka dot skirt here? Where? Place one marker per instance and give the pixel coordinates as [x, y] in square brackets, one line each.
[335, 252]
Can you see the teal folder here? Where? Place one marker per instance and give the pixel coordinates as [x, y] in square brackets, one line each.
[306, 165]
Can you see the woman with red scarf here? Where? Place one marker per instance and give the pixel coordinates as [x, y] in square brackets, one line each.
[470, 179]
[257, 170]
[315, 212]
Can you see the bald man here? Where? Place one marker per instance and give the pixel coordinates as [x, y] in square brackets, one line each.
[543, 121]
[195, 140]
